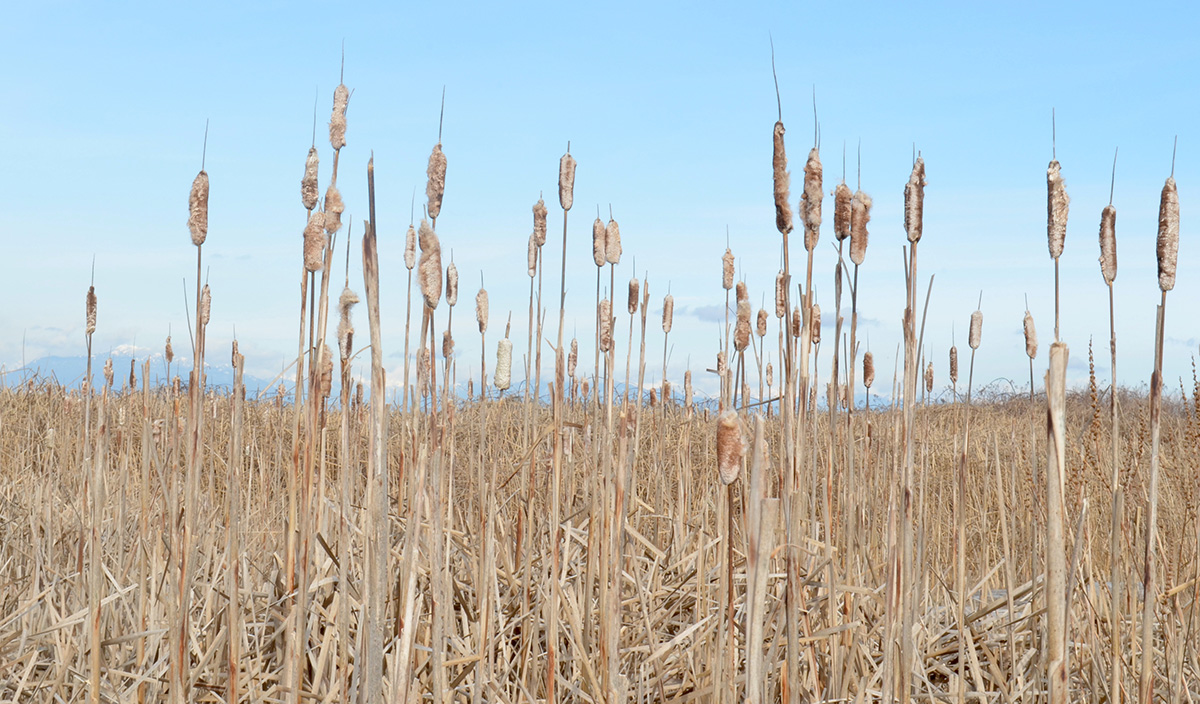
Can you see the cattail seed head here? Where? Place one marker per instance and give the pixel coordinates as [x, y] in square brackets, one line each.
[309, 190]
[668, 319]
[327, 372]
[435, 187]
[1030, 336]
[451, 285]
[566, 181]
[410, 248]
[634, 290]
[727, 269]
[334, 207]
[929, 378]
[539, 222]
[810, 200]
[598, 241]
[761, 323]
[314, 242]
[653, 397]
[337, 122]
[731, 447]
[169, 352]
[666, 391]
[1057, 205]
[780, 295]
[742, 294]
[481, 310]
[531, 256]
[358, 394]
[783, 211]
[573, 357]
[447, 345]
[1168, 235]
[198, 209]
[869, 369]
[797, 321]
[429, 270]
[108, 372]
[205, 305]
[346, 325]
[953, 364]
[741, 333]
[606, 325]
[503, 377]
[687, 390]
[612, 242]
[90, 313]
[976, 329]
[914, 201]
[722, 364]
[842, 211]
[770, 374]
[860, 215]
[814, 332]
[1108, 243]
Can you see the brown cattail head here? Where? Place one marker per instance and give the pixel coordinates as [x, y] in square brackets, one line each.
[741, 333]
[1030, 336]
[1057, 204]
[653, 397]
[358, 394]
[814, 332]
[727, 269]
[842, 211]
[133, 376]
[435, 187]
[976, 329]
[334, 207]
[722, 364]
[573, 357]
[423, 370]
[327, 372]
[481, 310]
[953, 364]
[410, 248]
[198, 209]
[860, 215]
[108, 372]
[337, 122]
[566, 181]
[606, 325]
[632, 301]
[314, 242]
[429, 270]
[668, 319]
[503, 377]
[742, 294]
[1168, 235]
[914, 201]
[1108, 243]
[451, 285]
[929, 378]
[447, 345]
[810, 200]
[797, 321]
[761, 323]
[783, 211]
[770, 374]
[539, 222]
[346, 325]
[90, 312]
[309, 190]
[169, 352]
[598, 241]
[531, 256]
[585, 389]
[205, 305]
[612, 242]
[868, 369]
[731, 447]
[780, 295]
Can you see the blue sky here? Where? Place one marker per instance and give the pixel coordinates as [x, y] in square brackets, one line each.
[669, 110]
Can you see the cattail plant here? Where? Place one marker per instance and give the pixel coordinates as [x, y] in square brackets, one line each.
[435, 186]
[843, 211]
[914, 201]
[481, 318]
[1108, 270]
[869, 375]
[810, 200]
[782, 179]
[429, 269]
[1031, 346]
[309, 191]
[1057, 205]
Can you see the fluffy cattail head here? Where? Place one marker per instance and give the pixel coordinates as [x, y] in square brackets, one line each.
[606, 325]
[634, 291]
[914, 201]
[205, 305]
[90, 313]
[327, 372]
[727, 269]
[976, 329]
[539, 222]
[503, 378]
[309, 190]
[531, 256]
[731, 447]
[1108, 243]
[447, 345]
[451, 284]
[929, 378]
[169, 352]
[108, 372]
[666, 391]
[410, 248]
[334, 207]
[566, 181]
[953, 364]
[860, 215]
[770, 374]
[742, 294]
[481, 310]
[722, 364]
[429, 270]
[337, 122]
[741, 333]
[1168, 235]
[868, 369]
[810, 200]
[198, 209]
[814, 332]
[1030, 336]
[346, 325]
[842, 211]
[783, 211]
[761, 323]
[314, 242]
[1057, 204]
[598, 241]
[573, 357]
[780, 295]
[668, 313]
[435, 187]
[612, 242]
[797, 321]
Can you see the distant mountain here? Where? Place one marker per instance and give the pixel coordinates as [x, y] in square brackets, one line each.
[70, 371]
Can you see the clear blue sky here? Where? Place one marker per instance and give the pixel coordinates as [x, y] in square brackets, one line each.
[669, 111]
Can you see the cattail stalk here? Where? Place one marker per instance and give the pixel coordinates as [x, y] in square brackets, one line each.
[1108, 270]
[1057, 606]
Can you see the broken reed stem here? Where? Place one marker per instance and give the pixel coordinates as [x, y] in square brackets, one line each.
[1057, 606]
[1149, 576]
